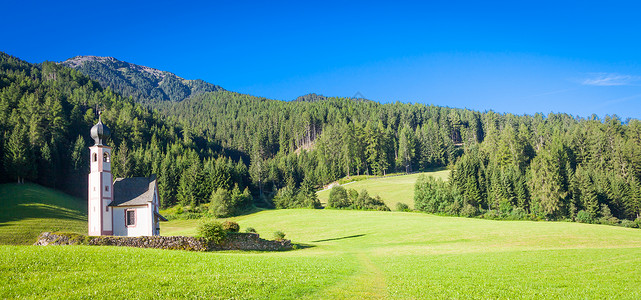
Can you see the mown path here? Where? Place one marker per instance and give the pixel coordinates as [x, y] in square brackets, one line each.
[368, 283]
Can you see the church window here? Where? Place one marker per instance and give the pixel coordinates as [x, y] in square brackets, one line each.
[130, 217]
[105, 157]
[106, 188]
[95, 157]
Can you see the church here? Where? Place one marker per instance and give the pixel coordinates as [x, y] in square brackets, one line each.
[121, 207]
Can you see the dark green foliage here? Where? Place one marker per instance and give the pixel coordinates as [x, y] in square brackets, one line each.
[365, 202]
[551, 168]
[303, 197]
[435, 196]
[225, 203]
[338, 198]
[213, 231]
[402, 207]
[231, 226]
[250, 230]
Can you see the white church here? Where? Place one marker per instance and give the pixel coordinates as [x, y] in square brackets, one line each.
[121, 207]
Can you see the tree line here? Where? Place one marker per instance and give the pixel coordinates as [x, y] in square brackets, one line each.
[555, 167]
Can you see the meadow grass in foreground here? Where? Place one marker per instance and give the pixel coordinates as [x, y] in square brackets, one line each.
[391, 189]
[112, 272]
[353, 254]
[29, 209]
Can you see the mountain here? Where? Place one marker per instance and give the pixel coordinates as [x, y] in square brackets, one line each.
[142, 83]
[312, 97]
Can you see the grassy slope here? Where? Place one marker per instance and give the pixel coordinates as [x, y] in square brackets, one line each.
[391, 189]
[29, 209]
[354, 254]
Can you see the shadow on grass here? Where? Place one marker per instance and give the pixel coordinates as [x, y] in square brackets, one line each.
[39, 211]
[298, 246]
[339, 238]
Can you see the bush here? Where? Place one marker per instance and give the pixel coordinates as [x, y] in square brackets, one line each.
[402, 207]
[231, 226]
[517, 213]
[338, 198]
[279, 235]
[629, 224]
[584, 217]
[212, 231]
[469, 211]
[250, 230]
[365, 202]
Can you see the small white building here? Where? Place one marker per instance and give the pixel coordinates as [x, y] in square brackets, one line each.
[124, 207]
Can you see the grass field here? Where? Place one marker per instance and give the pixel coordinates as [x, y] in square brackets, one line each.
[352, 254]
[29, 209]
[391, 189]
[349, 254]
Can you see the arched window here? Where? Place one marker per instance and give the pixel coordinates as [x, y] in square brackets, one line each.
[105, 157]
[95, 157]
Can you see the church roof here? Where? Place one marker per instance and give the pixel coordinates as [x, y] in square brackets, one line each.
[133, 191]
[99, 132]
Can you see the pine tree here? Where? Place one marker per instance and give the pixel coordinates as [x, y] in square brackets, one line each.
[16, 160]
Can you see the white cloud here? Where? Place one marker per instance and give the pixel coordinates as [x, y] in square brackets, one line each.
[610, 79]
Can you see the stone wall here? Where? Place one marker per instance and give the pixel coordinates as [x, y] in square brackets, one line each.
[233, 241]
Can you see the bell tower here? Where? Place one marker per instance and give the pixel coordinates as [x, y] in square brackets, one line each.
[100, 183]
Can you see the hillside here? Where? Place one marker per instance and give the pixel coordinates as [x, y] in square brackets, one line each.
[392, 189]
[29, 209]
[352, 255]
[555, 166]
[140, 82]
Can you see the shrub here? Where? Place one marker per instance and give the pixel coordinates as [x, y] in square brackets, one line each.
[584, 217]
[250, 230]
[231, 226]
[279, 235]
[364, 201]
[402, 206]
[517, 213]
[629, 224]
[469, 211]
[338, 198]
[213, 231]
[492, 214]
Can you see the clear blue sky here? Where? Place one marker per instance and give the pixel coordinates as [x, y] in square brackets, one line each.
[520, 56]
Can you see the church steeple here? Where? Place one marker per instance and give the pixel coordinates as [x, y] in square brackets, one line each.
[100, 183]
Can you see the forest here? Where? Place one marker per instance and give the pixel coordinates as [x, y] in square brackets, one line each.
[553, 166]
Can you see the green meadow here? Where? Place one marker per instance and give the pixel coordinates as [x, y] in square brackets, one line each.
[392, 189]
[29, 209]
[347, 254]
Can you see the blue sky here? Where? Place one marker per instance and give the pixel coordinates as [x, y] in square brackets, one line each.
[540, 56]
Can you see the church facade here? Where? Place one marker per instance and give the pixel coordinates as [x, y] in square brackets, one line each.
[121, 207]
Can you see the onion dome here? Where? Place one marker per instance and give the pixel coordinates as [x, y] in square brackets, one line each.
[99, 132]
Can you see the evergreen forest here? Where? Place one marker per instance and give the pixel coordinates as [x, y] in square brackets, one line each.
[221, 145]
